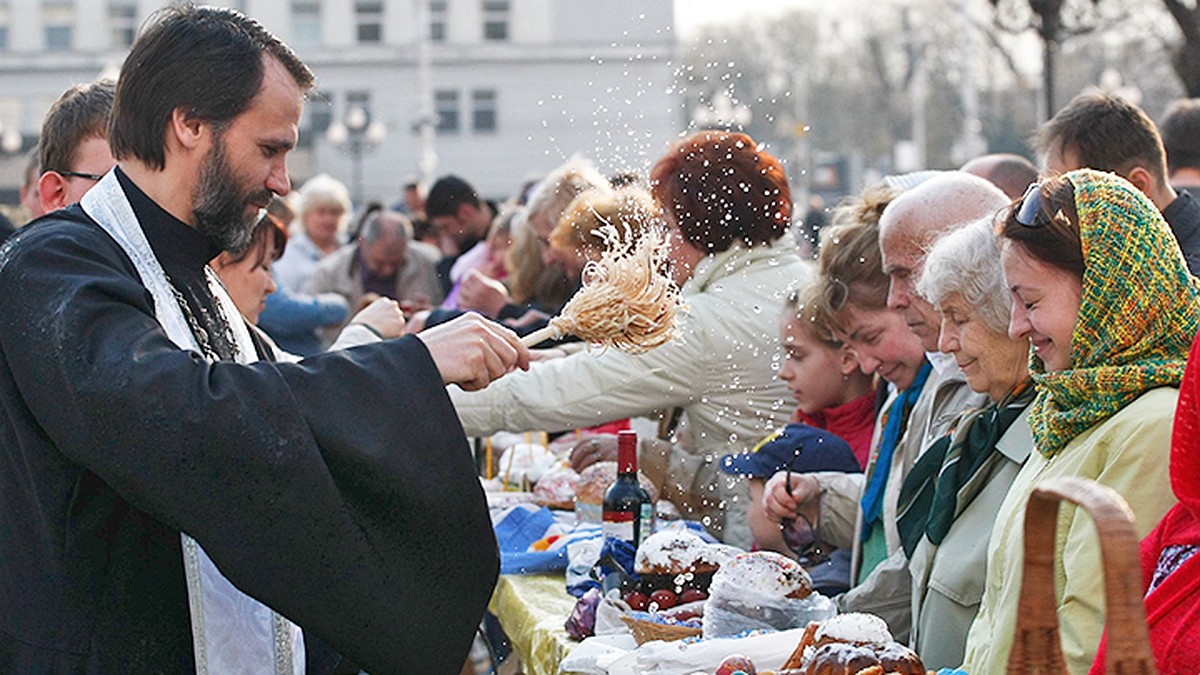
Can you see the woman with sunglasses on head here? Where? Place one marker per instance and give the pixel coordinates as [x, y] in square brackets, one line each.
[853, 511]
[1104, 297]
[950, 497]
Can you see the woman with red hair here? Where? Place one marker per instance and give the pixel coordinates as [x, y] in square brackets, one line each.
[728, 208]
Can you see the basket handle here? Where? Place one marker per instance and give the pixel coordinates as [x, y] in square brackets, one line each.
[1037, 647]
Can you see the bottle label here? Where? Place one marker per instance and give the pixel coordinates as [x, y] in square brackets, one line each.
[620, 524]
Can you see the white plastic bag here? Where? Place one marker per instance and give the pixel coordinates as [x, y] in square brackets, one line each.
[730, 611]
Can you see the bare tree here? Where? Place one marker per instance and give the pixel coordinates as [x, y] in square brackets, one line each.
[1054, 21]
[1186, 57]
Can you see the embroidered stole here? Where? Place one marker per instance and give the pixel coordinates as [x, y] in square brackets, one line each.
[231, 632]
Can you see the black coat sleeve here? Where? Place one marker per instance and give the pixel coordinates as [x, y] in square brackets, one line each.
[338, 491]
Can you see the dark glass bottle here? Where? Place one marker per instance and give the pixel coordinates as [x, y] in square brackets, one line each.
[628, 511]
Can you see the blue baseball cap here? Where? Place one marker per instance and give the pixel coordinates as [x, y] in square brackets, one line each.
[805, 448]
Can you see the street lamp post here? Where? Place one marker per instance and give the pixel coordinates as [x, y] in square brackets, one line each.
[356, 134]
[10, 140]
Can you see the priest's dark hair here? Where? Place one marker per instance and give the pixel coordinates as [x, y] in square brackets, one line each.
[207, 60]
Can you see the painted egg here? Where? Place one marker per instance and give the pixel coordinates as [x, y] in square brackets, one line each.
[736, 663]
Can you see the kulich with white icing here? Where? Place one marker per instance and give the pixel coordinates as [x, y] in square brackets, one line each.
[766, 573]
[677, 551]
[855, 628]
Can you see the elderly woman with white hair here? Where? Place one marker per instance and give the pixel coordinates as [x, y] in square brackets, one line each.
[951, 496]
[323, 203]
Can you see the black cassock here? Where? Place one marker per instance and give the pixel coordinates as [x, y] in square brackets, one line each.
[339, 491]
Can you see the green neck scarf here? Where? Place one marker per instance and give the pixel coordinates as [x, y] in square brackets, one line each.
[1139, 311]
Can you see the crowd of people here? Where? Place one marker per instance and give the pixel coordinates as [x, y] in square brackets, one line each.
[232, 416]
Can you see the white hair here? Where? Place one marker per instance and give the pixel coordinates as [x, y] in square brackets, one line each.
[320, 190]
[967, 261]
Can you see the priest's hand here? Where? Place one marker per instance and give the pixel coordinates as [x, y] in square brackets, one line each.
[471, 351]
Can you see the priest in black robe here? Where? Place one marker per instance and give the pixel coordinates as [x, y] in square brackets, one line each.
[337, 492]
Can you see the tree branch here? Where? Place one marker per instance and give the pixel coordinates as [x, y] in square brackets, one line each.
[1186, 18]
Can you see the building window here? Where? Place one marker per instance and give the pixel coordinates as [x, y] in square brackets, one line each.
[58, 17]
[59, 38]
[495, 19]
[483, 110]
[122, 21]
[368, 16]
[5, 21]
[445, 103]
[306, 23]
[437, 20]
[319, 109]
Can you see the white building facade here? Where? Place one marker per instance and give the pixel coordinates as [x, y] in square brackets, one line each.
[508, 88]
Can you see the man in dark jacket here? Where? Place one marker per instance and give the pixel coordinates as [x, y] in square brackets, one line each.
[1108, 133]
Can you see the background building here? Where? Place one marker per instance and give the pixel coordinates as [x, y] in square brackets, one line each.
[499, 89]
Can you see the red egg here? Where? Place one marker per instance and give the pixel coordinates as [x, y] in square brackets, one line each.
[664, 598]
[692, 595]
[637, 600]
[736, 663]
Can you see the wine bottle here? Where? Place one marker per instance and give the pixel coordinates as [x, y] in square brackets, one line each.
[628, 511]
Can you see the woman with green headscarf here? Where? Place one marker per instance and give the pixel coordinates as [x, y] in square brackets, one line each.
[1104, 297]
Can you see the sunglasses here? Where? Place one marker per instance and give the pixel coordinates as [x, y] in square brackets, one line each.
[799, 533]
[1030, 214]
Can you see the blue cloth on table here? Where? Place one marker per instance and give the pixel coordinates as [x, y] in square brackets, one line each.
[520, 526]
[523, 525]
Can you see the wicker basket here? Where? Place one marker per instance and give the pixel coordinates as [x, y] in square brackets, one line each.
[1037, 647]
[647, 631]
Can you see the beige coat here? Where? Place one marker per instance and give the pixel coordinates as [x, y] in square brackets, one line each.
[722, 371]
[1129, 452]
[948, 578]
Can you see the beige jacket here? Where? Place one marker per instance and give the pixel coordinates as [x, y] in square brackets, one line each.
[722, 371]
[341, 272]
[1130, 453]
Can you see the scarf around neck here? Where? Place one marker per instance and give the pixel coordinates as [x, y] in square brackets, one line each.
[1139, 309]
[955, 469]
[231, 631]
[893, 429]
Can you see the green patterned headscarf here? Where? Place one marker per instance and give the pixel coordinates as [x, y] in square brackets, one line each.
[1139, 311]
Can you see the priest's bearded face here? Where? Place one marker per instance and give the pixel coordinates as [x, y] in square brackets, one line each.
[245, 163]
[222, 200]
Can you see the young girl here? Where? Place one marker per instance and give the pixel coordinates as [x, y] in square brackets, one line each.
[850, 510]
[835, 412]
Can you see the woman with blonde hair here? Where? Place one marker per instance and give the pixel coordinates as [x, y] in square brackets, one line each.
[532, 281]
[582, 233]
[323, 205]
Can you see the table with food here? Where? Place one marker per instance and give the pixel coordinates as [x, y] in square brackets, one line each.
[574, 598]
